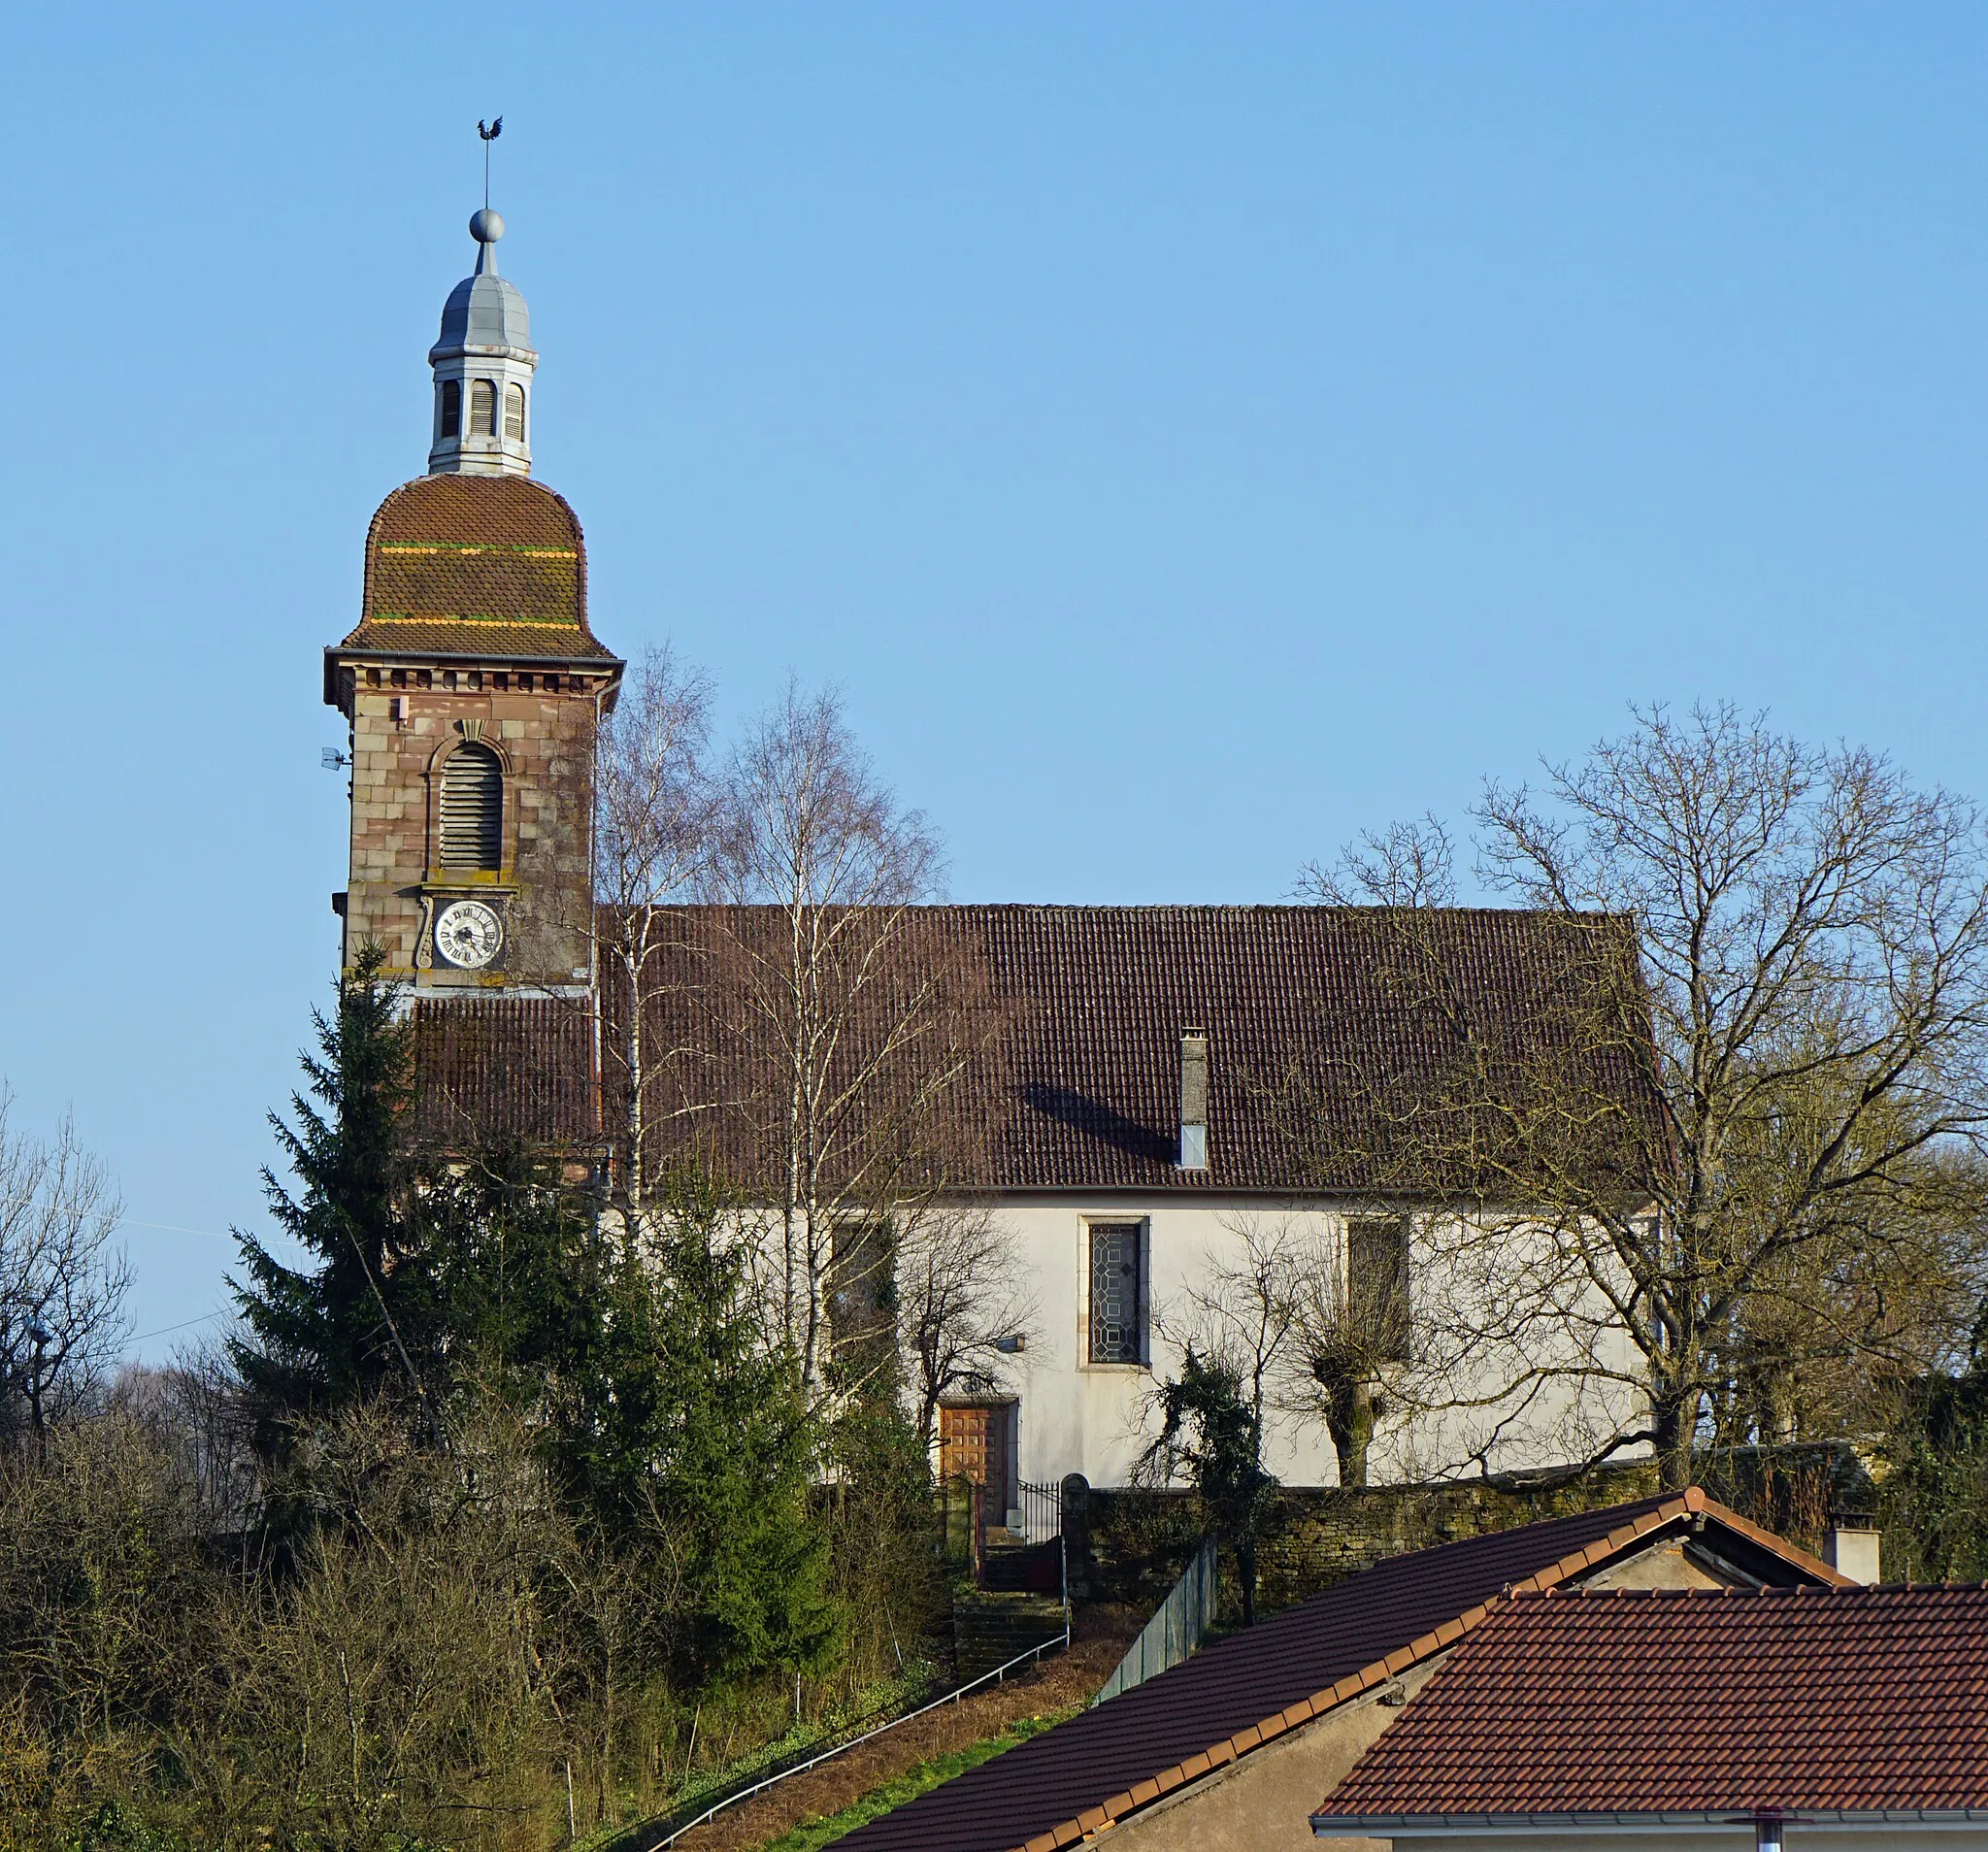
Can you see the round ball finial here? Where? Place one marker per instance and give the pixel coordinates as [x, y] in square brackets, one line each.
[487, 226]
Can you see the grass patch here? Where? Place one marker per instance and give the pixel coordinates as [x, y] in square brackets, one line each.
[910, 1686]
[811, 1834]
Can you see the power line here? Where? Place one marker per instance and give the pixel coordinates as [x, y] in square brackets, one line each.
[174, 1228]
[205, 1319]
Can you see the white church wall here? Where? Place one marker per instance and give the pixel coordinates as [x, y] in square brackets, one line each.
[1079, 1416]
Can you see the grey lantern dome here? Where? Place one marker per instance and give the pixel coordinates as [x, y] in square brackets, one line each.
[484, 363]
[484, 311]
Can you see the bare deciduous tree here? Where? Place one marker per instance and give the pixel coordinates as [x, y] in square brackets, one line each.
[62, 1285]
[100, 1571]
[655, 811]
[962, 1295]
[1241, 1310]
[859, 1039]
[1304, 1338]
[1406, 865]
[197, 1413]
[1793, 1189]
[800, 1033]
[403, 1682]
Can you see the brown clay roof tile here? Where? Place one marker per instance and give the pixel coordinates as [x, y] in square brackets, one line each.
[474, 640]
[1069, 1052]
[1577, 1702]
[1079, 1085]
[505, 1068]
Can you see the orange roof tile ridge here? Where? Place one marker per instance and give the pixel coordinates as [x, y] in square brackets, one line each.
[1767, 1540]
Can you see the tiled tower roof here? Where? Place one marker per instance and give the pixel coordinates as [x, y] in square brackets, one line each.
[482, 567]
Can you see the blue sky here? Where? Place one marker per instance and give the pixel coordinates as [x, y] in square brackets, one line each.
[1186, 435]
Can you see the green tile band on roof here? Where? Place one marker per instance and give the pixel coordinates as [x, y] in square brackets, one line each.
[457, 617]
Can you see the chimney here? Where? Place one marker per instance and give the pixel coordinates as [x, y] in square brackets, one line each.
[1851, 1548]
[1194, 1099]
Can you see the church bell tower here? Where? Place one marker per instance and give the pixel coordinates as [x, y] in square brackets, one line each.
[473, 686]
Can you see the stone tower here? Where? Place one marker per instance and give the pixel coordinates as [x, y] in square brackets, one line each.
[474, 687]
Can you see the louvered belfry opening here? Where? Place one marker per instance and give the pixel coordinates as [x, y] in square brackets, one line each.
[472, 808]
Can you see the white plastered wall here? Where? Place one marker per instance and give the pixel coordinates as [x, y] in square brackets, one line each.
[1075, 1416]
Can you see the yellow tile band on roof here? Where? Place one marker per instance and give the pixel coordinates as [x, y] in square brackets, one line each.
[476, 547]
[487, 623]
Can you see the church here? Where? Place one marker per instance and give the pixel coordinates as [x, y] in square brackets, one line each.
[1124, 1120]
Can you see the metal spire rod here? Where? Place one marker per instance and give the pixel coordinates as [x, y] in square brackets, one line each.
[489, 131]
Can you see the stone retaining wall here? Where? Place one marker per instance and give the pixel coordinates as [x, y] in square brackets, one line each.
[1130, 1546]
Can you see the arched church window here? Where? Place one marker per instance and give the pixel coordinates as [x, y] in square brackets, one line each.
[513, 413]
[472, 808]
[483, 408]
[451, 407]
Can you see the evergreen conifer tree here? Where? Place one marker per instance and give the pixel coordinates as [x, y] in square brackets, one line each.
[325, 1337]
[684, 1429]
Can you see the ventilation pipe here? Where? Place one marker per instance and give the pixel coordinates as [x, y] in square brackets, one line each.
[1194, 1099]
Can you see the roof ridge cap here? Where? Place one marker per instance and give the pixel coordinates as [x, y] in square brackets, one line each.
[1304, 908]
[1710, 1507]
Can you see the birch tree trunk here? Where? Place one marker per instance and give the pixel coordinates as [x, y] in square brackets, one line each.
[859, 1016]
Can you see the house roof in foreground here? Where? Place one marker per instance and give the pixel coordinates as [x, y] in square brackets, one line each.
[1250, 1688]
[1592, 1703]
[1325, 1025]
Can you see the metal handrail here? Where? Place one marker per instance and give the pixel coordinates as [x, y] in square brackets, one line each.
[953, 1696]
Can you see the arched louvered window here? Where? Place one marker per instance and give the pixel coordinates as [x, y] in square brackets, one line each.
[451, 407]
[472, 808]
[513, 413]
[483, 408]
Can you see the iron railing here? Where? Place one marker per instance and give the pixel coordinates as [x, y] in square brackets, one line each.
[1041, 1511]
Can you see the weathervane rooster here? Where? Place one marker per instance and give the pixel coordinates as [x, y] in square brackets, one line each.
[489, 131]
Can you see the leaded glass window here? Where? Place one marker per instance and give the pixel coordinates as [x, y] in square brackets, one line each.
[1117, 1259]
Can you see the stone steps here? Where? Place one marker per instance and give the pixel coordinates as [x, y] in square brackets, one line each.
[1023, 1569]
[989, 1628]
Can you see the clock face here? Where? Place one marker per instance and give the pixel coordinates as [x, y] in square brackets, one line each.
[469, 934]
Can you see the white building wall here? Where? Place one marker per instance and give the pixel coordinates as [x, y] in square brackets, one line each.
[1077, 1416]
